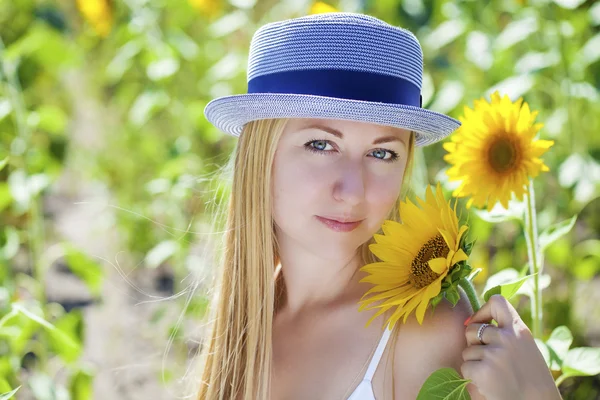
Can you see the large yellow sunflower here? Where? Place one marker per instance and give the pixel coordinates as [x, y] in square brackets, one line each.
[417, 254]
[494, 152]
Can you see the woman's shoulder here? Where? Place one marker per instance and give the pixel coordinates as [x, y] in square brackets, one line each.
[437, 343]
[441, 320]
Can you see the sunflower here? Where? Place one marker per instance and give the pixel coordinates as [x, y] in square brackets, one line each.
[417, 256]
[99, 13]
[494, 152]
[210, 8]
[321, 8]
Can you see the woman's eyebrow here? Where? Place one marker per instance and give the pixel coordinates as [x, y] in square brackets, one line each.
[335, 132]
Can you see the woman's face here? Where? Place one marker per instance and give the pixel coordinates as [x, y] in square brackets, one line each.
[335, 170]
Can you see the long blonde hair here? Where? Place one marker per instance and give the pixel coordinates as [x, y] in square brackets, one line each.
[235, 355]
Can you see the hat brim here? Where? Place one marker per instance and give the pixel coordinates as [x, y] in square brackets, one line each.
[231, 113]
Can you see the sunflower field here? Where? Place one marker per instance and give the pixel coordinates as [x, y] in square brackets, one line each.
[106, 166]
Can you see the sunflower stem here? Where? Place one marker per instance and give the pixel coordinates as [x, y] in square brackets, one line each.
[471, 293]
[531, 236]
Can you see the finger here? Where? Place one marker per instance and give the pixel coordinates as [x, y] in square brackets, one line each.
[490, 334]
[499, 309]
[470, 370]
[473, 353]
[474, 370]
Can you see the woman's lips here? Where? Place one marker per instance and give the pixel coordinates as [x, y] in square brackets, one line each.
[339, 226]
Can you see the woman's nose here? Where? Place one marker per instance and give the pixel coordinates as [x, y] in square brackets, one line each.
[350, 185]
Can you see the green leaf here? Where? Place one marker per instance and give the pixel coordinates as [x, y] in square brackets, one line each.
[146, 105]
[560, 340]
[507, 290]
[3, 163]
[474, 274]
[45, 388]
[5, 108]
[468, 247]
[70, 326]
[4, 386]
[501, 277]
[6, 396]
[527, 289]
[436, 300]
[498, 213]
[51, 118]
[5, 196]
[582, 361]
[452, 295]
[163, 68]
[84, 268]
[586, 269]
[81, 385]
[544, 350]
[569, 4]
[444, 384]
[57, 336]
[555, 232]
[11, 247]
[161, 252]
[23, 187]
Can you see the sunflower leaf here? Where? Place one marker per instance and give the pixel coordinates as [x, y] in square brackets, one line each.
[6, 396]
[507, 290]
[452, 295]
[500, 214]
[582, 361]
[436, 300]
[467, 247]
[474, 274]
[444, 384]
[556, 231]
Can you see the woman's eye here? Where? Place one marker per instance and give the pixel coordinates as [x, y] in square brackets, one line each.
[381, 154]
[319, 144]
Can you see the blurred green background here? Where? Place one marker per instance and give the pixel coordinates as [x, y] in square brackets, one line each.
[106, 196]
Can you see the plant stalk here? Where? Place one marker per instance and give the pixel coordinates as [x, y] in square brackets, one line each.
[531, 236]
[471, 293]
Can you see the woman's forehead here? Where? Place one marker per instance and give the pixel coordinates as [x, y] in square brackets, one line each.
[345, 127]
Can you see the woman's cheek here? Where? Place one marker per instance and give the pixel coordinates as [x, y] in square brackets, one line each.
[384, 196]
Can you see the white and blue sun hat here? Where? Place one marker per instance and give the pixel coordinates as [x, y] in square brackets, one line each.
[337, 66]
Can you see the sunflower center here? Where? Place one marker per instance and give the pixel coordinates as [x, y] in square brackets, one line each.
[503, 155]
[421, 275]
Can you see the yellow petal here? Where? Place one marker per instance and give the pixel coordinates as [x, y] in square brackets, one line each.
[386, 294]
[377, 314]
[387, 253]
[448, 238]
[438, 265]
[412, 304]
[459, 256]
[432, 290]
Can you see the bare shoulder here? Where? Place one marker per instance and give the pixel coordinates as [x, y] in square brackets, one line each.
[438, 343]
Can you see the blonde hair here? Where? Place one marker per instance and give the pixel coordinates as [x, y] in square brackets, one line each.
[235, 355]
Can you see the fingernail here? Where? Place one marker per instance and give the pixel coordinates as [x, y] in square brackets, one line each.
[467, 321]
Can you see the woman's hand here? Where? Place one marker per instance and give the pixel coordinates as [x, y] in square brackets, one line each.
[508, 366]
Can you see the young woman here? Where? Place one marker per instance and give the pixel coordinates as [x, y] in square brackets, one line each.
[326, 133]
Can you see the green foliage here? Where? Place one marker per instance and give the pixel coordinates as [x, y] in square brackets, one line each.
[507, 290]
[9, 395]
[444, 384]
[125, 112]
[579, 361]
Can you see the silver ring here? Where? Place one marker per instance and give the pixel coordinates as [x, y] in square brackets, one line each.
[480, 332]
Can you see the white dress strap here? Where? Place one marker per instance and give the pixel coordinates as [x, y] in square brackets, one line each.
[378, 353]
